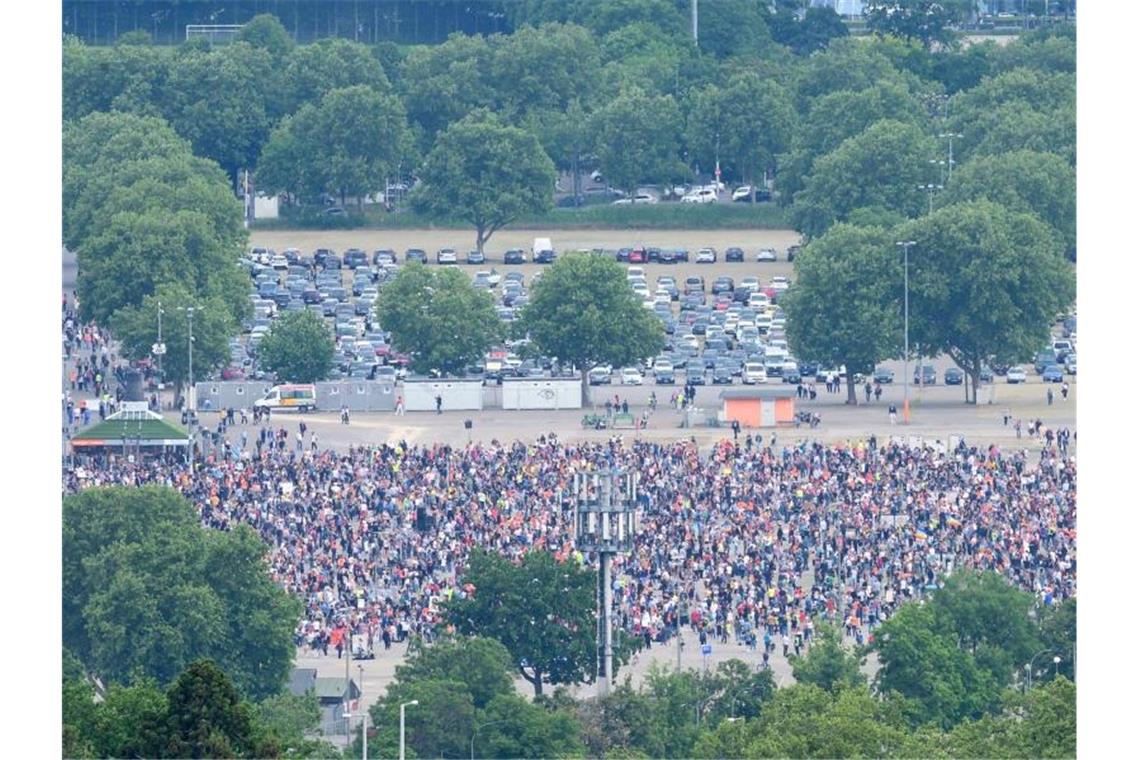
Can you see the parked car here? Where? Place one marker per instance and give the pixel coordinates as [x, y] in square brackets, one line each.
[734, 254]
[600, 375]
[571, 201]
[446, 256]
[1071, 363]
[631, 376]
[953, 376]
[706, 256]
[476, 257]
[695, 375]
[354, 257]
[883, 375]
[1015, 375]
[766, 255]
[1054, 373]
[514, 256]
[793, 251]
[415, 254]
[383, 257]
[664, 376]
[703, 195]
[925, 375]
[638, 198]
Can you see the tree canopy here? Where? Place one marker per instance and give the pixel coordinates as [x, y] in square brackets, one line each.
[439, 317]
[846, 306]
[879, 169]
[541, 610]
[147, 591]
[583, 312]
[298, 348]
[637, 137]
[485, 173]
[986, 284]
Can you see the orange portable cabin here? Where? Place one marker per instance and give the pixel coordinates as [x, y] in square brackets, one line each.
[766, 406]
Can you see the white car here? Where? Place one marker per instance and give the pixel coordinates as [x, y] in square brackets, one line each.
[779, 282]
[1015, 375]
[741, 192]
[280, 262]
[631, 376]
[638, 198]
[704, 195]
[766, 254]
[447, 256]
[706, 256]
[754, 372]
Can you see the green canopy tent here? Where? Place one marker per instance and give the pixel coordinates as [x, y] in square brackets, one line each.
[135, 429]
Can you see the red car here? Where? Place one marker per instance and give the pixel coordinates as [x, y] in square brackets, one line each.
[233, 373]
[638, 256]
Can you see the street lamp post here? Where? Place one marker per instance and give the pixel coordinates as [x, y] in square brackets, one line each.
[363, 716]
[1029, 665]
[905, 245]
[949, 137]
[930, 188]
[402, 706]
[605, 523]
[190, 357]
[476, 733]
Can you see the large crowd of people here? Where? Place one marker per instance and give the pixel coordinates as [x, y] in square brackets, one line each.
[745, 541]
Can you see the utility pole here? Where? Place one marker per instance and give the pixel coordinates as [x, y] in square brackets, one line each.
[696, 41]
[949, 137]
[190, 351]
[905, 245]
[364, 717]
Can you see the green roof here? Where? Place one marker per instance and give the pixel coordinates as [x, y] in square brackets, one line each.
[330, 688]
[131, 430]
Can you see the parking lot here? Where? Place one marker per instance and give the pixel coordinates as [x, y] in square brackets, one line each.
[709, 343]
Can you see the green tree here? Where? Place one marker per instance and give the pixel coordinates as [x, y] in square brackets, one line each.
[132, 721]
[828, 664]
[880, 168]
[329, 64]
[621, 724]
[285, 720]
[844, 308]
[124, 77]
[266, 32]
[748, 123]
[147, 591]
[928, 21]
[136, 327]
[224, 102]
[298, 349]
[1059, 633]
[207, 717]
[485, 173]
[637, 138]
[513, 727]
[439, 317]
[584, 313]
[143, 213]
[814, 32]
[733, 28]
[839, 116]
[349, 145]
[991, 620]
[1049, 720]
[439, 726]
[985, 284]
[482, 665]
[847, 64]
[441, 84]
[78, 711]
[543, 68]
[541, 610]
[921, 661]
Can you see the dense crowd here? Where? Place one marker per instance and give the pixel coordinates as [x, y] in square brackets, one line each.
[744, 542]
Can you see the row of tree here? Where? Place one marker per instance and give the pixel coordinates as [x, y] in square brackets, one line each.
[618, 86]
[985, 284]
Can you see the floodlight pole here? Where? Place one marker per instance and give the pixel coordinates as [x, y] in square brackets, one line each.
[905, 245]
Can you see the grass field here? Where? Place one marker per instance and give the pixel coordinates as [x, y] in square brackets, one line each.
[659, 216]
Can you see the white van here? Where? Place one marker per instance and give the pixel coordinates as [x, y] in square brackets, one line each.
[754, 372]
[300, 397]
[543, 251]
